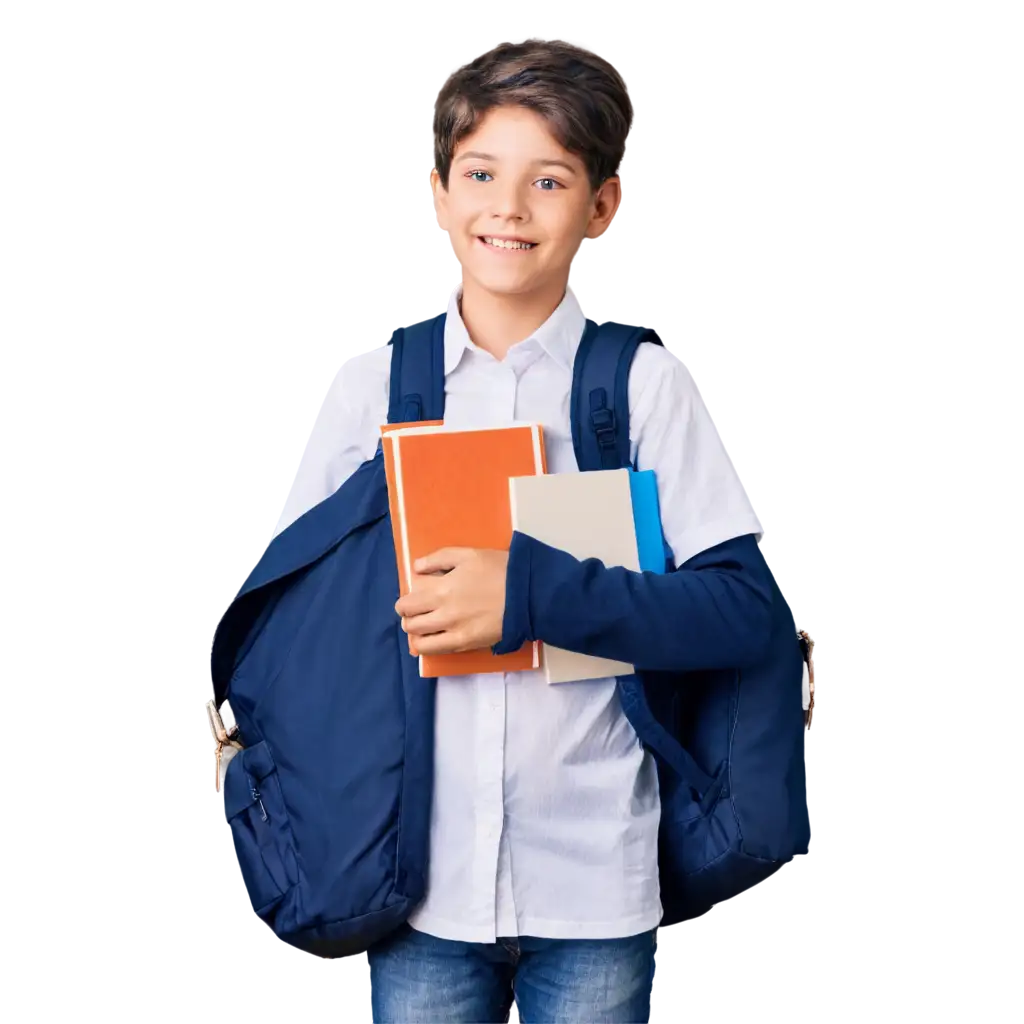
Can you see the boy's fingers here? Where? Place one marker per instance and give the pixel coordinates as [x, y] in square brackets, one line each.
[440, 643]
[421, 625]
[418, 602]
[440, 560]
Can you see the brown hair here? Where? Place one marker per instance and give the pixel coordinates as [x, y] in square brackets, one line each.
[582, 98]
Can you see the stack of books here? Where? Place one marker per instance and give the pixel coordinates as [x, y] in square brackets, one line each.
[473, 486]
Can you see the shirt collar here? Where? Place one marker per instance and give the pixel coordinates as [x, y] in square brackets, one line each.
[559, 335]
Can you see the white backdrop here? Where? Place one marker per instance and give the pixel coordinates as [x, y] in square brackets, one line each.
[891, 438]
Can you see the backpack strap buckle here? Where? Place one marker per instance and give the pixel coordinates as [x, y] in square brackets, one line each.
[806, 648]
[223, 738]
[599, 400]
[602, 419]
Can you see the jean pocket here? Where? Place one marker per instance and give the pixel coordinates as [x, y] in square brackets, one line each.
[255, 809]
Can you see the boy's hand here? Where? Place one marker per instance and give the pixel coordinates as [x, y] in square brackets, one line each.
[464, 608]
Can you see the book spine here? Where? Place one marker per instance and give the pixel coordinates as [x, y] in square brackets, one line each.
[404, 529]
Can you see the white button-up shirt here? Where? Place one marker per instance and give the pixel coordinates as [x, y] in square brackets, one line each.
[545, 811]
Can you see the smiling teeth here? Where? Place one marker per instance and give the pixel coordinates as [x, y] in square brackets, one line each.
[500, 244]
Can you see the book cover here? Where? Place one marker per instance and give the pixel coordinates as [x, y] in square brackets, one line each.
[649, 538]
[448, 487]
[590, 515]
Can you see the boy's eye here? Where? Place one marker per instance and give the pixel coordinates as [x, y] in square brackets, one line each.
[547, 184]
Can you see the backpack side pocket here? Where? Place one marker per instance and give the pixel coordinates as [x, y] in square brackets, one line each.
[255, 809]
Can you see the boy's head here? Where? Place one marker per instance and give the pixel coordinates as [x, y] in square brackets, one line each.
[527, 144]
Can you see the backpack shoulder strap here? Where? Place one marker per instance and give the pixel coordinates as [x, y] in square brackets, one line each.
[417, 372]
[599, 405]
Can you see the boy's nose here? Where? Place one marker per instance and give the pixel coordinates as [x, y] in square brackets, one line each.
[509, 205]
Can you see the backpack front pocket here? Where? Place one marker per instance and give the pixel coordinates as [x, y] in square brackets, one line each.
[255, 810]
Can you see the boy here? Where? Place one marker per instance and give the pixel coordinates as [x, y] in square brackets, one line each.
[543, 871]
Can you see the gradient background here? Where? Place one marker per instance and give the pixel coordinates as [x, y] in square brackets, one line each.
[200, 212]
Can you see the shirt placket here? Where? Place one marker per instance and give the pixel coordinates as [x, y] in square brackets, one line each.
[517, 361]
[489, 804]
[490, 715]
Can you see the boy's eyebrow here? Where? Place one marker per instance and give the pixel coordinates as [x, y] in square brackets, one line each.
[474, 155]
[541, 162]
[556, 163]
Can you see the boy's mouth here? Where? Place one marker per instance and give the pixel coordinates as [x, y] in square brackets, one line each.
[501, 245]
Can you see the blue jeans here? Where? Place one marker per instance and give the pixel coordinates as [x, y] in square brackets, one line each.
[416, 978]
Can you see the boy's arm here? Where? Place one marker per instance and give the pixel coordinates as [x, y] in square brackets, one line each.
[714, 610]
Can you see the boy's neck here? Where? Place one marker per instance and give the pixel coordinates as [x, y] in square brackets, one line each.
[496, 322]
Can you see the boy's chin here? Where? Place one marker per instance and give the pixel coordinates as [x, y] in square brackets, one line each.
[498, 283]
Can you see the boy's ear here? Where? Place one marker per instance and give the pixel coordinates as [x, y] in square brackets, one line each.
[606, 202]
[440, 199]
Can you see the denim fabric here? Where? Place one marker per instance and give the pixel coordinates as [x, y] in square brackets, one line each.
[416, 978]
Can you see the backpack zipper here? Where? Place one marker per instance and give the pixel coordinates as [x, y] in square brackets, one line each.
[256, 799]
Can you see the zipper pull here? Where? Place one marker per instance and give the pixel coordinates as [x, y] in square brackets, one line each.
[256, 798]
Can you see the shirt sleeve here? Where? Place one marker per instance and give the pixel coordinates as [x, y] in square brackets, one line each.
[701, 499]
[717, 610]
[344, 436]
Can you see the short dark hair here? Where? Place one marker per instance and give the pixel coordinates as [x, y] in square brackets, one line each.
[581, 96]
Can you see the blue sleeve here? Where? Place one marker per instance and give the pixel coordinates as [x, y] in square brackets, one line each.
[713, 611]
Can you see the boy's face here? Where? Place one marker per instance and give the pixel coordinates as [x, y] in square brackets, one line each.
[516, 190]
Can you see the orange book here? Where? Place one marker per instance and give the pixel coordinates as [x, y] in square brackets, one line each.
[448, 487]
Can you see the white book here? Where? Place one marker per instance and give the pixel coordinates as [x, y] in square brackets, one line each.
[590, 515]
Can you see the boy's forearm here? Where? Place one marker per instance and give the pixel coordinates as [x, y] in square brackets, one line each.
[712, 612]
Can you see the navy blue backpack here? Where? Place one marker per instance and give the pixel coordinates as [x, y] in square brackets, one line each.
[328, 798]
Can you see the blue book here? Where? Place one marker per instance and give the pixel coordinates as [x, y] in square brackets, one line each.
[643, 488]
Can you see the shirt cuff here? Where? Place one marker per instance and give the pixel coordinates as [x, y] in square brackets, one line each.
[516, 627]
